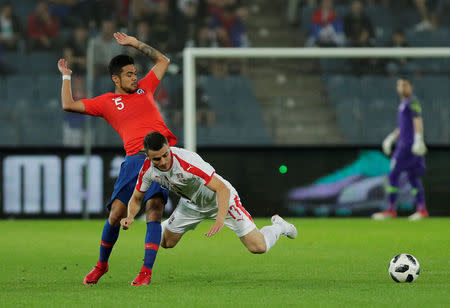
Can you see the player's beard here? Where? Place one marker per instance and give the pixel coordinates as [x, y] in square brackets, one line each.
[130, 90]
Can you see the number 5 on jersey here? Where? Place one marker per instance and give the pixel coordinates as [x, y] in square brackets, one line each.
[118, 102]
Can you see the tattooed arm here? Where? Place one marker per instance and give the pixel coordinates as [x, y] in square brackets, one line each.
[161, 61]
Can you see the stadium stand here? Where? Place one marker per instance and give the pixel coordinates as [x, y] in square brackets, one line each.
[371, 99]
[232, 98]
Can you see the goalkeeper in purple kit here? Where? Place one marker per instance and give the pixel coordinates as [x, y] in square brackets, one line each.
[409, 153]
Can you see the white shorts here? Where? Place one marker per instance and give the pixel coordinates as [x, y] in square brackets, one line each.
[184, 219]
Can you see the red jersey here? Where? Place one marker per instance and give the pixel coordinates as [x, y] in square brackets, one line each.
[133, 116]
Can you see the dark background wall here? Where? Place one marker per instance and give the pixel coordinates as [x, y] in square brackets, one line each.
[254, 172]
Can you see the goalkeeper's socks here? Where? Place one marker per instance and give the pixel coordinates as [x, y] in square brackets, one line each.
[152, 241]
[391, 207]
[416, 183]
[109, 238]
[271, 234]
[421, 207]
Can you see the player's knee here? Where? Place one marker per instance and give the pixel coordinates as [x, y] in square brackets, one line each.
[114, 218]
[168, 243]
[154, 209]
[257, 248]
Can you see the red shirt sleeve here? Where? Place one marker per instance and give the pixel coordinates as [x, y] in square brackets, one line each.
[94, 106]
[149, 82]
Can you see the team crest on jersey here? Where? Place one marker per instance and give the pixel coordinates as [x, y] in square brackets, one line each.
[180, 176]
[140, 91]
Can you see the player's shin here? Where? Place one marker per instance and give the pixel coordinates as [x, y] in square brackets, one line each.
[418, 192]
[152, 242]
[271, 234]
[392, 189]
[109, 238]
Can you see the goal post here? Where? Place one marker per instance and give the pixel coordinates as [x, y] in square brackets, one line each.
[191, 54]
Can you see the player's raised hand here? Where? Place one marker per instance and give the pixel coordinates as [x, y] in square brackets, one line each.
[64, 67]
[126, 222]
[215, 228]
[125, 39]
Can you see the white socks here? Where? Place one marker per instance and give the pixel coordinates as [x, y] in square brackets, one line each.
[271, 234]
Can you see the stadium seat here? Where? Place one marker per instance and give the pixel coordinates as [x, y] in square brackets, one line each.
[383, 36]
[348, 120]
[43, 62]
[9, 131]
[342, 10]
[432, 87]
[433, 124]
[338, 87]
[105, 135]
[381, 17]
[378, 87]
[21, 89]
[406, 18]
[379, 119]
[103, 84]
[49, 88]
[233, 102]
[3, 88]
[334, 65]
[40, 127]
[172, 83]
[23, 9]
[437, 38]
[306, 14]
[18, 62]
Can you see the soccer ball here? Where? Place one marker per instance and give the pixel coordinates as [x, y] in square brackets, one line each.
[404, 268]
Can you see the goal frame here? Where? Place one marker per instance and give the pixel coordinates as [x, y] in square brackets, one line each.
[191, 54]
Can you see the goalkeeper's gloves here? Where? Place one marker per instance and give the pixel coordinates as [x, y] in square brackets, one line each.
[419, 148]
[388, 142]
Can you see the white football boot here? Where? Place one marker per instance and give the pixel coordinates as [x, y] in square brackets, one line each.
[384, 215]
[419, 215]
[290, 230]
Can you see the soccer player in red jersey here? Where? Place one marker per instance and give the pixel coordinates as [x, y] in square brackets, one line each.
[132, 112]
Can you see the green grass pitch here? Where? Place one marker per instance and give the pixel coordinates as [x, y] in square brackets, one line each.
[333, 262]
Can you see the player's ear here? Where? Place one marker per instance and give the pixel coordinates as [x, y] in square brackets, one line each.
[115, 79]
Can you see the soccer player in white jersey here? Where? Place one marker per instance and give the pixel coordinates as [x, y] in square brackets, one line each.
[204, 195]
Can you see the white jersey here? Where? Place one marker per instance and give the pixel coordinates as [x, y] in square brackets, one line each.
[187, 177]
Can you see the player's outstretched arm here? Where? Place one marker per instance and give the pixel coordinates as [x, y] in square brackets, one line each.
[161, 61]
[223, 197]
[68, 104]
[134, 205]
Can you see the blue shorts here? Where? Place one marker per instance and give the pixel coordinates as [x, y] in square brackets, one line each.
[126, 182]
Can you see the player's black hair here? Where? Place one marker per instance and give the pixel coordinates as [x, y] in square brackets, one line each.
[116, 64]
[154, 141]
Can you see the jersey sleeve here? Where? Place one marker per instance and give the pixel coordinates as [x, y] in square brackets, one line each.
[150, 82]
[144, 179]
[94, 106]
[416, 108]
[192, 163]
